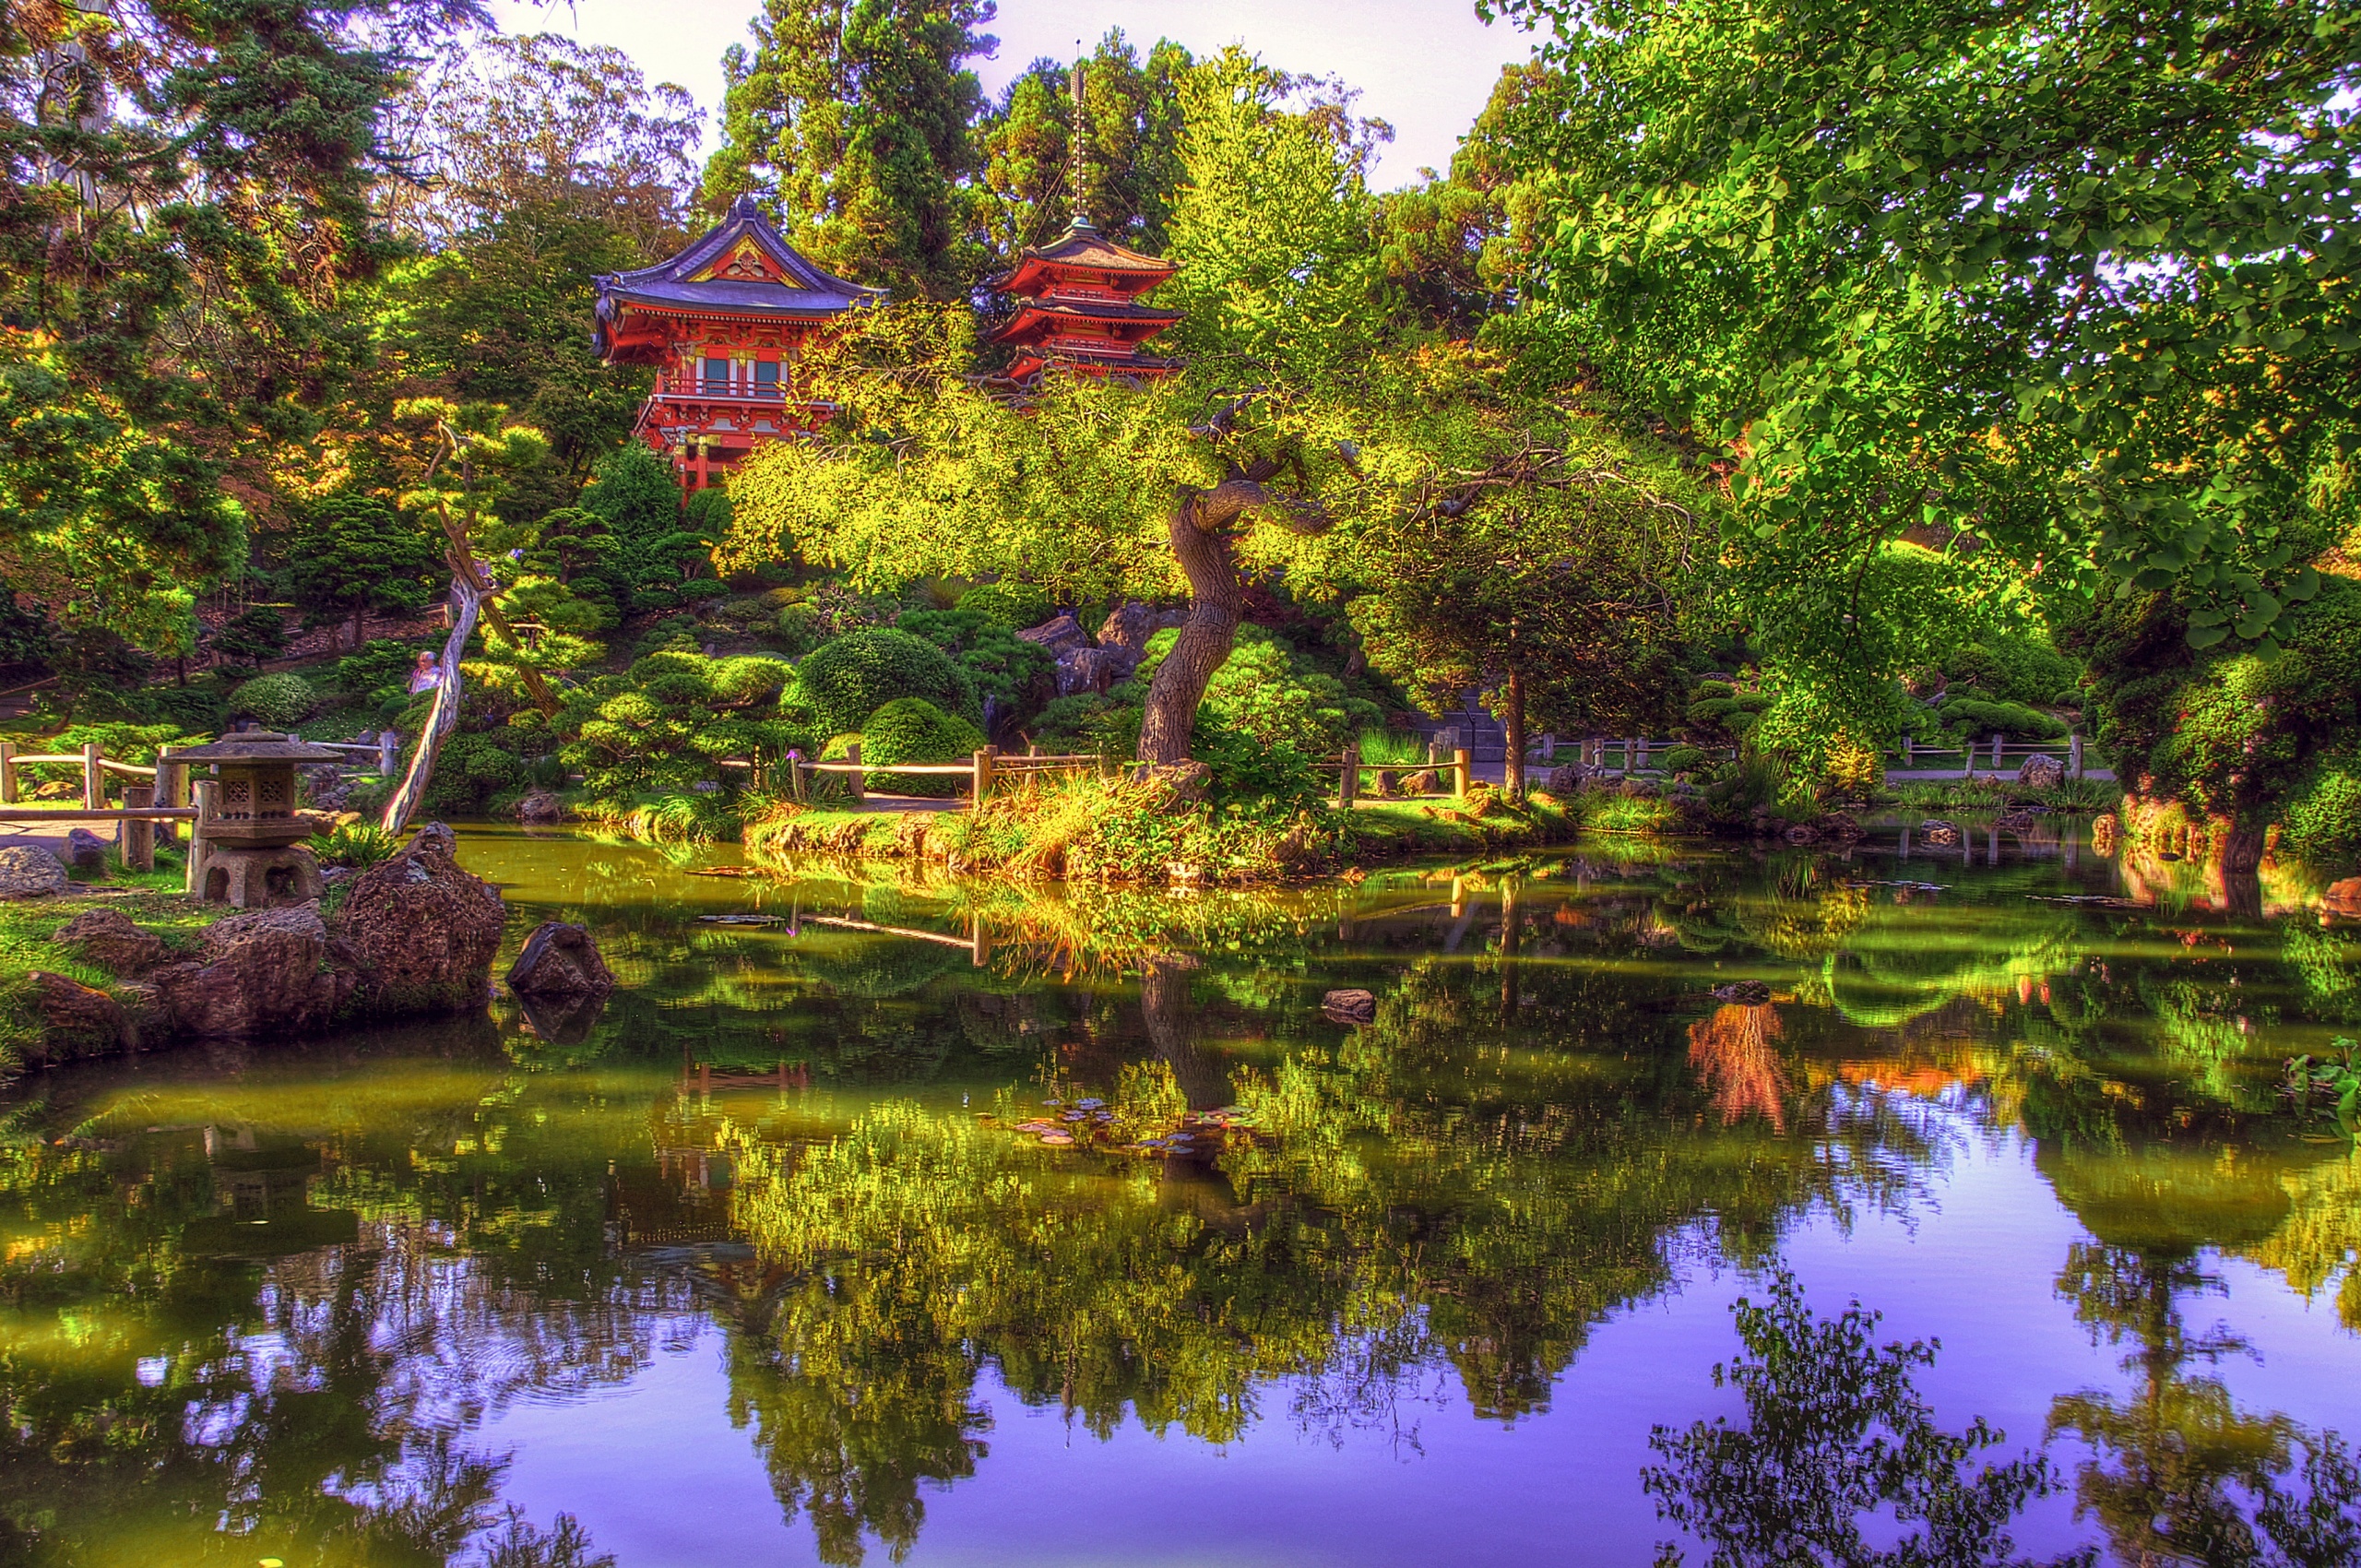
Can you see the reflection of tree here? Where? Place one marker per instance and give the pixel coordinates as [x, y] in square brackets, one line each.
[231, 1387]
[1736, 1054]
[1836, 1436]
[2179, 1475]
[2319, 1242]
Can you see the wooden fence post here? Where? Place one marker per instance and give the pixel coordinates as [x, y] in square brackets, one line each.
[138, 833]
[198, 841]
[94, 778]
[2074, 754]
[985, 757]
[1996, 751]
[1460, 766]
[860, 784]
[1905, 755]
[1348, 783]
[171, 790]
[389, 752]
[7, 773]
[1967, 750]
[1631, 754]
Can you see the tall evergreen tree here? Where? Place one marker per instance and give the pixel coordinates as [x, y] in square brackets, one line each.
[182, 209]
[1133, 164]
[852, 119]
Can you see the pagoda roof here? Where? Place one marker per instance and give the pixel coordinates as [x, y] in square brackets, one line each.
[1036, 312]
[743, 267]
[1082, 248]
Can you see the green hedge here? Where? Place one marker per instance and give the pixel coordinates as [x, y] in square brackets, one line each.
[914, 729]
[1977, 719]
[850, 677]
[278, 700]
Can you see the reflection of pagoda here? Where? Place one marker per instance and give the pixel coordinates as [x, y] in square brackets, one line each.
[1078, 301]
[721, 323]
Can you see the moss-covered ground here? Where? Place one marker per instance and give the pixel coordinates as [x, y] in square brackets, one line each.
[152, 901]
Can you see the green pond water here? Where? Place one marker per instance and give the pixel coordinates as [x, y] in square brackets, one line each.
[765, 1261]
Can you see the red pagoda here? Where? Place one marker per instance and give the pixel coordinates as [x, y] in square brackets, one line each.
[722, 322]
[1078, 301]
[1078, 306]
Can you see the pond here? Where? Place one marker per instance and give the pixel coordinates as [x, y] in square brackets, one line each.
[880, 1218]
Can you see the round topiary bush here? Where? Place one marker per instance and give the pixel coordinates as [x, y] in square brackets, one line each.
[1011, 604]
[914, 729]
[850, 677]
[277, 700]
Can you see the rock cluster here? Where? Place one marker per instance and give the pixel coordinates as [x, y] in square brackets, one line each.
[1121, 644]
[416, 935]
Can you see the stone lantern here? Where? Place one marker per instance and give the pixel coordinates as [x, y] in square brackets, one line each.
[252, 836]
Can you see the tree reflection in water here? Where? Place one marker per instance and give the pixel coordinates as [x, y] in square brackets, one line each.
[1546, 1120]
[2179, 1474]
[1837, 1438]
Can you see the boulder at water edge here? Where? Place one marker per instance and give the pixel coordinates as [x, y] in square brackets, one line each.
[540, 806]
[420, 931]
[2041, 771]
[1350, 1006]
[29, 873]
[77, 1020]
[2343, 897]
[559, 960]
[263, 972]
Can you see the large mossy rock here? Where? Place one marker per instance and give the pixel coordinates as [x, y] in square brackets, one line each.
[263, 972]
[28, 872]
[419, 933]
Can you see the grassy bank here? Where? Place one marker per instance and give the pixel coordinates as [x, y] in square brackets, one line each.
[29, 927]
[1093, 829]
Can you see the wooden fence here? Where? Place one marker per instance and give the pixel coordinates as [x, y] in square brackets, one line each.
[159, 795]
[981, 770]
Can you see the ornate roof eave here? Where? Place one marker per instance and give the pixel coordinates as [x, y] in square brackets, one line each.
[1082, 247]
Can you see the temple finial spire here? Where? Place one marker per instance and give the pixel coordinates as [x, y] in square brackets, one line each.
[1081, 149]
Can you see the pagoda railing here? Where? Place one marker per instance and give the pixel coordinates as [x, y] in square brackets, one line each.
[717, 388]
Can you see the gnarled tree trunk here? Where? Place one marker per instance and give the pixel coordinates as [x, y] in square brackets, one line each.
[1203, 544]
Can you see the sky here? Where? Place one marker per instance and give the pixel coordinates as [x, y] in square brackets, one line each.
[1425, 67]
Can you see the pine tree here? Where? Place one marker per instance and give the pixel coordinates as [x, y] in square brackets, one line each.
[852, 120]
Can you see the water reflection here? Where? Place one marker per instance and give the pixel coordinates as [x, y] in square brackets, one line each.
[272, 1303]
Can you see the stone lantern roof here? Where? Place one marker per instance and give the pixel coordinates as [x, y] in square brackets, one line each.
[256, 745]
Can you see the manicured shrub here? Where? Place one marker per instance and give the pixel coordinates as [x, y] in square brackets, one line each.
[1974, 720]
[910, 730]
[2012, 669]
[668, 720]
[1017, 677]
[849, 678]
[471, 772]
[1263, 689]
[1683, 759]
[277, 700]
[376, 664]
[2323, 823]
[1088, 722]
[1009, 605]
